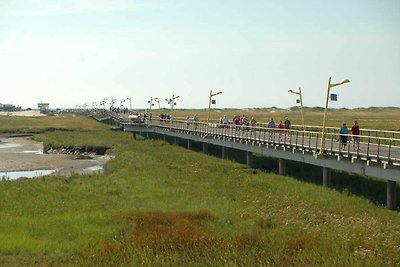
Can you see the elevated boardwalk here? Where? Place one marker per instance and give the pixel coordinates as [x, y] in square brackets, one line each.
[378, 154]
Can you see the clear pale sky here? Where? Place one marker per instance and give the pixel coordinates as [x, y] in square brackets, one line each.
[68, 52]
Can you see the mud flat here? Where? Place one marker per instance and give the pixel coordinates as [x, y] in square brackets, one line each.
[25, 154]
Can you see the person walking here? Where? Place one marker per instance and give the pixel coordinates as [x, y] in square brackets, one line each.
[355, 132]
[344, 131]
[287, 126]
[225, 121]
[281, 128]
[271, 127]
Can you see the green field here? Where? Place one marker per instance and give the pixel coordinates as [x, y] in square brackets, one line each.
[163, 205]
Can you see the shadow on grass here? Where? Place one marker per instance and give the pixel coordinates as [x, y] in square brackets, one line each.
[370, 188]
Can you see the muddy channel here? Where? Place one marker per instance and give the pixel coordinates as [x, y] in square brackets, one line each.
[24, 157]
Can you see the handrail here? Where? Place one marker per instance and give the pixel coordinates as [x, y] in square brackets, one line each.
[376, 148]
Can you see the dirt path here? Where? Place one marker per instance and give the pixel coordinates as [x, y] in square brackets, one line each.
[23, 154]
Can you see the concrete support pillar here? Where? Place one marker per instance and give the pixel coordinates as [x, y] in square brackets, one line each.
[223, 151]
[189, 144]
[134, 135]
[326, 176]
[248, 158]
[175, 141]
[147, 135]
[205, 148]
[282, 166]
[391, 195]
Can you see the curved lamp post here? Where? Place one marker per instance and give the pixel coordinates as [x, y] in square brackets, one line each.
[172, 103]
[130, 102]
[209, 107]
[330, 85]
[301, 104]
[158, 101]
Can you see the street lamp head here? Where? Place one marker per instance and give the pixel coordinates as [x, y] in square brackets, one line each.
[345, 81]
[290, 91]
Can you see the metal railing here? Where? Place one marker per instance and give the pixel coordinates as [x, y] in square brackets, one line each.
[373, 147]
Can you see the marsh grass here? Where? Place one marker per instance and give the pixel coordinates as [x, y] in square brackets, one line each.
[45, 124]
[163, 205]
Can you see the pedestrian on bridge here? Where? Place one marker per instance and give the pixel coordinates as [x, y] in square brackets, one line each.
[355, 132]
[287, 126]
[344, 131]
[281, 128]
[271, 127]
[225, 121]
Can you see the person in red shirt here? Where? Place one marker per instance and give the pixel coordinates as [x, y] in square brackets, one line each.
[280, 127]
[355, 131]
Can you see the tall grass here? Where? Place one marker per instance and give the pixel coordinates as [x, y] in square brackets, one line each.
[159, 204]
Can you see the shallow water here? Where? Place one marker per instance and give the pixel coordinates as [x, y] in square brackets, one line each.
[38, 152]
[9, 145]
[24, 157]
[96, 168]
[28, 174]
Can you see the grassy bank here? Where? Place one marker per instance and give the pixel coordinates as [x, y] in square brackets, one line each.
[159, 204]
[43, 124]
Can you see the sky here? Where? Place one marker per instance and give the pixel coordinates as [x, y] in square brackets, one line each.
[71, 52]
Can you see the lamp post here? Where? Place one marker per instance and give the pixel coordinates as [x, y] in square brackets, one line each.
[112, 103]
[151, 102]
[103, 103]
[209, 107]
[330, 85]
[130, 102]
[158, 101]
[301, 104]
[172, 102]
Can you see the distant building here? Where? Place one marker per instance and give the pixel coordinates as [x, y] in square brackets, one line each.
[43, 107]
[9, 107]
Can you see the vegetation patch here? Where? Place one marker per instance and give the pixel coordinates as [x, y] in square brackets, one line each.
[158, 238]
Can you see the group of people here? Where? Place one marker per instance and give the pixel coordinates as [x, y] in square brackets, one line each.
[355, 134]
[123, 110]
[241, 120]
